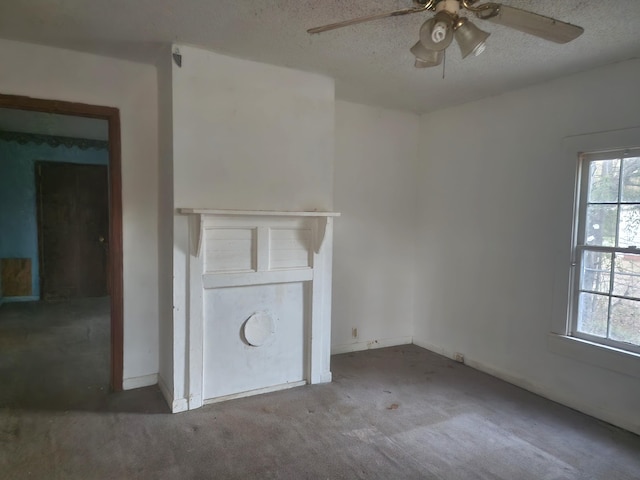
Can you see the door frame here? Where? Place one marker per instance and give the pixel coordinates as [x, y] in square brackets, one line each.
[112, 116]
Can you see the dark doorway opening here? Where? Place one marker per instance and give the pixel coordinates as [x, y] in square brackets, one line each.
[113, 240]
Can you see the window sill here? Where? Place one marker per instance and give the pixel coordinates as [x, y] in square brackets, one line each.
[614, 359]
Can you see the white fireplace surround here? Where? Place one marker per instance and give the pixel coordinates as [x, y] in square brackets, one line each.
[259, 302]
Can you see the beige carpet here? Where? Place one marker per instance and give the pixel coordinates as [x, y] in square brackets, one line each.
[394, 413]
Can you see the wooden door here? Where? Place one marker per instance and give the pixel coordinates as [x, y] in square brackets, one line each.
[73, 229]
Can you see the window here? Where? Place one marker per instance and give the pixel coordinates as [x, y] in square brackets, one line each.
[605, 305]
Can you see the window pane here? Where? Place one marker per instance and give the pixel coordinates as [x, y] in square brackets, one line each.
[603, 181]
[631, 179]
[601, 225]
[629, 226]
[592, 314]
[625, 321]
[626, 281]
[596, 271]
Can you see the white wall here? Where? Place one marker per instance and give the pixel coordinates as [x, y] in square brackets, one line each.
[375, 238]
[246, 136]
[50, 73]
[495, 194]
[251, 136]
[165, 219]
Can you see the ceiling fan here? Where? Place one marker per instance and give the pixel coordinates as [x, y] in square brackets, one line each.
[437, 33]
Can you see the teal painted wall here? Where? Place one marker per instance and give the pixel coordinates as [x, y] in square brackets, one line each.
[18, 217]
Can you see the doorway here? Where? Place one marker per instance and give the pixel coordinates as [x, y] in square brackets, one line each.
[110, 248]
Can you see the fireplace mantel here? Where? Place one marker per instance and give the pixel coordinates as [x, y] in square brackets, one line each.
[268, 213]
[255, 274]
[200, 212]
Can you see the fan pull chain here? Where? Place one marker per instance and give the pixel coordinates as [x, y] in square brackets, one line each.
[444, 62]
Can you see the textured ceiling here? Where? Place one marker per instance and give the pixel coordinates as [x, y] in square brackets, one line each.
[371, 62]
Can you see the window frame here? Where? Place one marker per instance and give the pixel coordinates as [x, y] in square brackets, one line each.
[564, 188]
[579, 244]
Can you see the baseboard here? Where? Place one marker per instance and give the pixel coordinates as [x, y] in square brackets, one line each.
[542, 390]
[179, 405]
[433, 348]
[368, 345]
[139, 382]
[259, 391]
[176, 406]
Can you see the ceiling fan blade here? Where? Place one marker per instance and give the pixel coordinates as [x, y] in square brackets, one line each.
[368, 18]
[532, 23]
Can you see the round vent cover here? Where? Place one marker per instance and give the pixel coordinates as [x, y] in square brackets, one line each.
[259, 328]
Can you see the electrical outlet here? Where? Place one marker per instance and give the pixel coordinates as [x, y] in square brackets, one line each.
[458, 357]
[354, 332]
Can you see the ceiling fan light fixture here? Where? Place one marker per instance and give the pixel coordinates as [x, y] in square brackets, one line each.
[470, 38]
[425, 57]
[437, 32]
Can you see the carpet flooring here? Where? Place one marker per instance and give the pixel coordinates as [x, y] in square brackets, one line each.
[393, 413]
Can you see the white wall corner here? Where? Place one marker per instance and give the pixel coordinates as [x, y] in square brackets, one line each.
[175, 405]
[370, 345]
[375, 244]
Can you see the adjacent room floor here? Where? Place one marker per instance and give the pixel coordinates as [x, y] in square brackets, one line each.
[394, 413]
[55, 356]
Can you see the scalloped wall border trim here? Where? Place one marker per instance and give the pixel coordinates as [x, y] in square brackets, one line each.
[53, 140]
